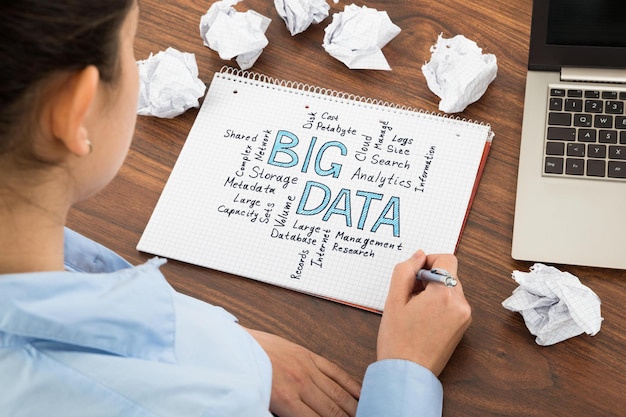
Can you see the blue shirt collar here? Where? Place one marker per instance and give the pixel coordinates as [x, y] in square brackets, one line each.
[85, 255]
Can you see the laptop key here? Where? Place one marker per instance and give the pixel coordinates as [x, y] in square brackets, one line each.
[615, 107]
[575, 166]
[620, 122]
[555, 148]
[557, 92]
[586, 135]
[617, 169]
[556, 104]
[573, 104]
[575, 149]
[562, 133]
[609, 95]
[596, 168]
[617, 152]
[582, 120]
[602, 120]
[592, 94]
[559, 119]
[553, 165]
[607, 136]
[593, 106]
[596, 151]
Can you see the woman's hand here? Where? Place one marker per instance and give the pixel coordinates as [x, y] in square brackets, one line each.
[423, 321]
[305, 384]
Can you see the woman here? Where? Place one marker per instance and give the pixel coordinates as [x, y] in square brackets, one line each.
[84, 333]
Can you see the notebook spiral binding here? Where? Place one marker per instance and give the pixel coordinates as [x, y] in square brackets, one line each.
[308, 88]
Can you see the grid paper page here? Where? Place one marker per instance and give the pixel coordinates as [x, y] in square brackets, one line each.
[314, 192]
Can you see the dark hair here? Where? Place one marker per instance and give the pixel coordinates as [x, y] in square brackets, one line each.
[43, 38]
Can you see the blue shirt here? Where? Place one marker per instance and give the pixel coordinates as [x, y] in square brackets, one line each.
[109, 339]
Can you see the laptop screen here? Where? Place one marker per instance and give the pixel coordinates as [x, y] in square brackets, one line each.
[587, 22]
[578, 33]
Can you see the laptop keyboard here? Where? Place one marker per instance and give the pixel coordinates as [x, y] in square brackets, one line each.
[586, 134]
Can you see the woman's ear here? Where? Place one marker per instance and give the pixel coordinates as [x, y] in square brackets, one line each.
[70, 107]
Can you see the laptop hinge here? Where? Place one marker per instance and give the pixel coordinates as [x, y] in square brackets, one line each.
[597, 75]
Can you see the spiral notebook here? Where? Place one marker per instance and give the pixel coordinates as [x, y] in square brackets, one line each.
[314, 190]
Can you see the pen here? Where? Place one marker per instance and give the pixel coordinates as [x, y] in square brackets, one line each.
[436, 275]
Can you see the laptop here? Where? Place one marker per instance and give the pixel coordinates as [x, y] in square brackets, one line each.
[571, 189]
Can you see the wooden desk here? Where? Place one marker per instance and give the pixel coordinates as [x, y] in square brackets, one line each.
[498, 370]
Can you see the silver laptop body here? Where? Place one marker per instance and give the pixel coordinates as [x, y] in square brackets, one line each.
[569, 219]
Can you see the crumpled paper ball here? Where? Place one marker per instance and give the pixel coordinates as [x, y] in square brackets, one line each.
[169, 84]
[357, 35]
[298, 15]
[234, 34]
[555, 305]
[458, 72]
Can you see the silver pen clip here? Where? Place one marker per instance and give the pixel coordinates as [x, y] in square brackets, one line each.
[437, 275]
